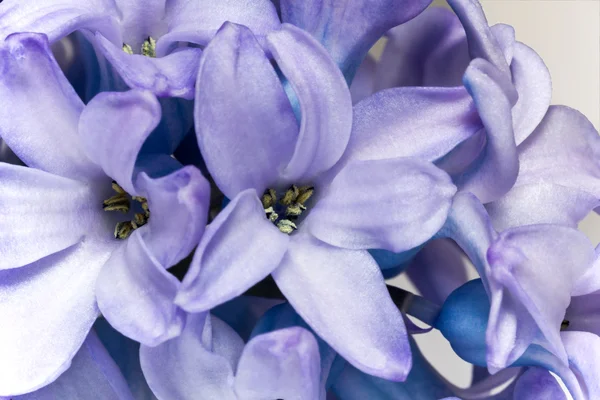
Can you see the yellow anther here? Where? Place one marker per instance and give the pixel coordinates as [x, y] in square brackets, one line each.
[123, 230]
[286, 226]
[127, 49]
[118, 202]
[294, 210]
[149, 48]
[269, 198]
[290, 195]
[305, 193]
[564, 325]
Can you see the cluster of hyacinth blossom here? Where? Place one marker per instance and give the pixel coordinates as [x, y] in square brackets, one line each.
[203, 199]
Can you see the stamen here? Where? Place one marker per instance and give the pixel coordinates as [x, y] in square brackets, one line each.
[149, 48]
[120, 202]
[123, 230]
[564, 325]
[127, 49]
[291, 204]
[269, 198]
[290, 196]
[286, 226]
[305, 193]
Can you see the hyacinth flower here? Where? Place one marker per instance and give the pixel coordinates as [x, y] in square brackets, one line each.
[463, 321]
[288, 214]
[141, 40]
[70, 228]
[92, 371]
[210, 361]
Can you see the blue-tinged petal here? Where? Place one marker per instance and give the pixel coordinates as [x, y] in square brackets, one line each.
[92, 370]
[423, 383]
[469, 225]
[41, 214]
[43, 133]
[324, 99]
[532, 81]
[58, 18]
[495, 171]
[533, 272]
[481, 40]
[358, 319]
[173, 75]
[283, 364]
[437, 270]
[558, 166]
[244, 121]
[192, 366]
[429, 50]
[126, 354]
[49, 308]
[395, 204]
[102, 126]
[243, 312]
[418, 122]
[238, 249]
[349, 28]
[198, 21]
[538, 383]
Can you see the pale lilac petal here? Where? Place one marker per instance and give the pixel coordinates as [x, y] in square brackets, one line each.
[533, 272]
[91, 371]
[198, 21]
[192, 366]
[44, 132]
[583, 349]
[102, 126]
[395, 204]
[495, 172]
[505, 36]
[532, 81]
[283, 364]
[419, 122]
[58, 18]
[363, 84]
[323, 97]
[135, 294]
[349, 28]
[173, 75]
[244, 122]
[559, 166]
[429, 50]
[537, 383]
[47, 308]
[481, 40]
[238, 249]
[437, 270]
[140, 20]
[358, 319]
[41, 214]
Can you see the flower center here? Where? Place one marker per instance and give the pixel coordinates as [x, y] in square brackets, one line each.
[148, 48]
[285, 210]
[564, 325]
[120, 202]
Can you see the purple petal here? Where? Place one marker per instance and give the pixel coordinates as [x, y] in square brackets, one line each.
[411, 122]
[101, 127]
[50, 307]
[198, 21]
[358, 319]
[283, 364]
[363, 84]
[394, 204]
[583, 313]
[559, 166]
[481, 40]
[244, 146]
[58, 18]
[324, 99]
[533, 272]
[532, 81]
[193, 366]
[140, 20]
[238, 249]
[173, 75]
[429, 50]
[91, 371]
[348, 29]
[583, 349]
[41, 214]
[537, 383]
[437, 270]
[135, 294]
[44, 133]
[495, 172]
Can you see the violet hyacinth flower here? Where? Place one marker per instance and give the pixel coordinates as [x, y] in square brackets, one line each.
[140, 39]
[288, 214]
[210, 361]
[57, 238]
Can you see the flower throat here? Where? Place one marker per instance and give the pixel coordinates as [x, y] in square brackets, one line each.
[120, 202]
[284, 211]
